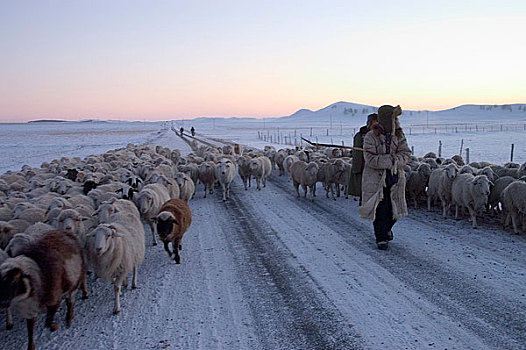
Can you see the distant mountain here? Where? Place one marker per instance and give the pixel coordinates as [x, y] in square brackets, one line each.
[47, 121]
[337, 111]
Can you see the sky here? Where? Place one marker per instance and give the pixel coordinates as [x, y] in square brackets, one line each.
[163, 60]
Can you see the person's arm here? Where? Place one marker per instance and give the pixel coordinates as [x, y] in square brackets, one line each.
[373, 159]
[403, 153]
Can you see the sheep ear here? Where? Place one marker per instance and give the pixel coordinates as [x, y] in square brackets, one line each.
[96, 212]
[83, 218]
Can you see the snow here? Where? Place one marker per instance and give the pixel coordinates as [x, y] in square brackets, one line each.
[266, 270]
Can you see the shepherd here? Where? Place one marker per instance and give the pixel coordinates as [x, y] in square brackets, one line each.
[383, 180]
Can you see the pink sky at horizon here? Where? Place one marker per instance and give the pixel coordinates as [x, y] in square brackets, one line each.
[174, 60]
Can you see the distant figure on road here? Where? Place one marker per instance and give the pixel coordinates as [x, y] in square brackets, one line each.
[181, 130]
[192, 130]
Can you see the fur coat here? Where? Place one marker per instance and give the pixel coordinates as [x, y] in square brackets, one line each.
[374, 173]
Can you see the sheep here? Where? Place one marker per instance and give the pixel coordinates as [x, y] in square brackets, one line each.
[270, 153]
[490, 174]
[31, 215]
[170, 184]
[47, 270]
[191, 170]
[149, 200]
[6, 213]
[116, 249]
[279, 159]
[470, 192]
[224, 172]
[186, 186]
[228, 149]
[19, 225]
[514, 204]
[417, 182]
[173, 221]
[9, 315]
[207, 176]
[7, 231]
[445, 184]
[260, 168]
[304, 174]
[432, 186]
[289, 160]
[496, 192]
[243, 168]
[328, 174]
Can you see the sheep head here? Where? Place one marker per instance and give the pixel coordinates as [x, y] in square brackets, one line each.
[104, 235]
[165, 222]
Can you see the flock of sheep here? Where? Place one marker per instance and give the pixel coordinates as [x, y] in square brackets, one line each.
[73, 216]
[94, 209]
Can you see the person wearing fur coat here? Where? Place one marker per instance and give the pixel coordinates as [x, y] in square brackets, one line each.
[383, 181]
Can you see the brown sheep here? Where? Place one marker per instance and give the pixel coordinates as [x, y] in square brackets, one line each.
[44, 272]
[173, 220]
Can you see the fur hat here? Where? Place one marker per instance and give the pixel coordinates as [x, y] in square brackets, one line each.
[370, 118]
[387, 115]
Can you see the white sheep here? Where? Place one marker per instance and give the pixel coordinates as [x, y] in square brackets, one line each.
[186, 186]
[149, 200]
[514, 204]
[470, 192]
[289, 160]
[7, 231]
[329, 174]
[116, 249]
[224, 172]
[260, 169]
[445, 184]
[207, 176]
[243, 168]
[304, 174]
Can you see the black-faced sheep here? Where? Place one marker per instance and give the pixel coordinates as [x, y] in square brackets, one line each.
[41, 276]
[173, 221]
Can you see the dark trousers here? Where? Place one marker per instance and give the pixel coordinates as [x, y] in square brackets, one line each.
[383, 223]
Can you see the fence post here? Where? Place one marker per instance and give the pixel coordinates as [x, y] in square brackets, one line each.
[439, 148]
[461, 146]
[511, 157]
[467, 155]
[413, 150]
[310, 132]
[327, 132]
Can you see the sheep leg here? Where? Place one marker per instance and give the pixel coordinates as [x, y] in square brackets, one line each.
[9, 319]
[70, 303]
[153, 229]
[51, 311]
[296, 187]
[429, 203]
[224, 192]
[473, 215]
[177, 258]
[117, 305]
[456, 212]
[258, 180]
[30, 330]
[514, 219]
[167, 248]
[304, 188]
[84, 287]
[134, 278]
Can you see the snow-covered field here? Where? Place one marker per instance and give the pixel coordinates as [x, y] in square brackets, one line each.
[265, 270]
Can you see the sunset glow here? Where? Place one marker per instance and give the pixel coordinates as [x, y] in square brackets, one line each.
[161, 60]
